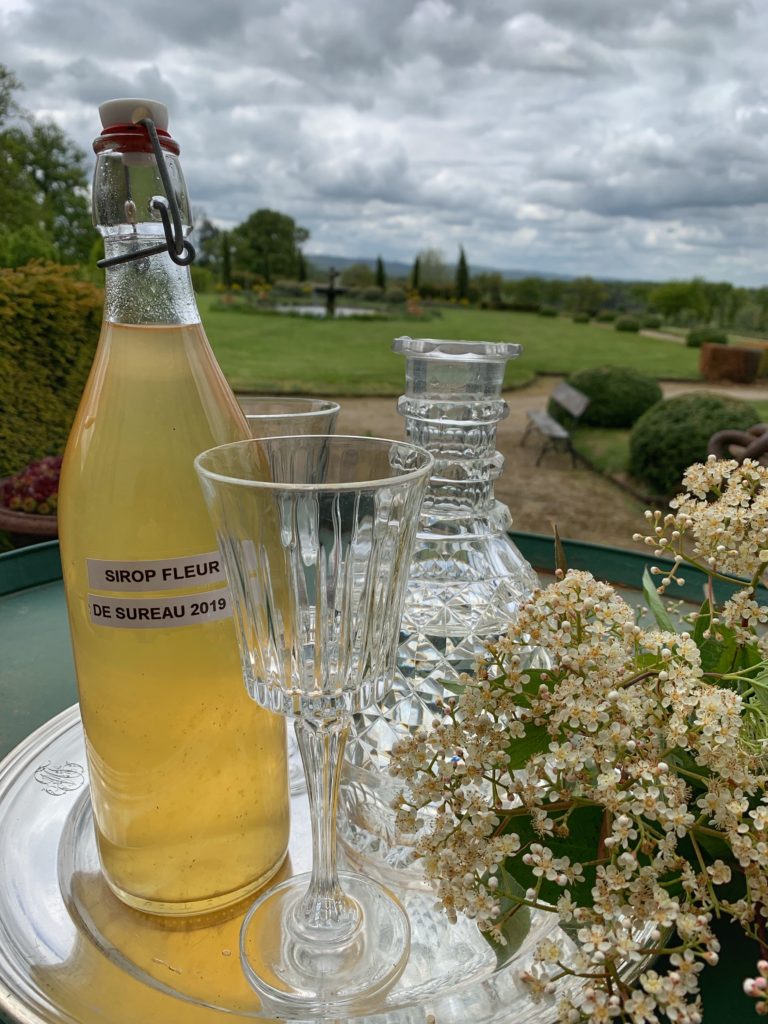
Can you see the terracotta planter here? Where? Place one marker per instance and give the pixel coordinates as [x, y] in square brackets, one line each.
[729, 362]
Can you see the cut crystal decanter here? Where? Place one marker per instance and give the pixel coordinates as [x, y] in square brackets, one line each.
[466, 582]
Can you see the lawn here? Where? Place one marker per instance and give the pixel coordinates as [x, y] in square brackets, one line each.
[353, 357]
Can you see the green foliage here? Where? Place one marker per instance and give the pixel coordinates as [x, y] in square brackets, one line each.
[462, 276]
[699, 336]
[416, 274]
[581, 318]
[547, 311]
[628, 324]
[395, 296]
[652, 321]
[226, 260]
[618, 396]
[585, 295]
[49, 326]
[202, 278]
[267, 244]
[605, 316]
[44, 207]
[381, 274]
[358, 275]
[675, 433]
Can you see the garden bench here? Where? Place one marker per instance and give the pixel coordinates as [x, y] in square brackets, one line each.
[555, 434]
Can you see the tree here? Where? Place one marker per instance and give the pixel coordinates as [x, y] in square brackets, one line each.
[207, 241]
[302, 270]
[586, 295]
[358, 275]
[381, 274]
[267, 243]
[674, 298]
[433, 271]
[416, 274]
[462, 275]
[44, 206]
[226, 260]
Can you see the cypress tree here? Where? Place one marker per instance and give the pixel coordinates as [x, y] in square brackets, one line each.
[301, 268]
[462, 276]
[381, 274]
[415, 273]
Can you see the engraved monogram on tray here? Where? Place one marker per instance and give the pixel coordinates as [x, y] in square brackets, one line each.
[58, 779]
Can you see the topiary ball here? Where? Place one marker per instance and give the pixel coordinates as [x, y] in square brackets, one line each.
[675, 432]
[699, 336]
[628, 324]
[617, 394]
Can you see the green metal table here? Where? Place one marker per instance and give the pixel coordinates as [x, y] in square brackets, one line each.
[37, 680]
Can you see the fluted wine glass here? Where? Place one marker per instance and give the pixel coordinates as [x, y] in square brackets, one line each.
[278, 415]
[316, 533]
[273, 415]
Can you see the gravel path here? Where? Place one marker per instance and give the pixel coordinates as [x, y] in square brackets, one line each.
[584, 504]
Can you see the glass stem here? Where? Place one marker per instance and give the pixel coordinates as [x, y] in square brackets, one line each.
[324, 913]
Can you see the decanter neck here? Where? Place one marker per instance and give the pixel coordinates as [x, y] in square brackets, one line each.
[461, 436]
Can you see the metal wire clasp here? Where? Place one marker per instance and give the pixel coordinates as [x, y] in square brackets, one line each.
[178, 248]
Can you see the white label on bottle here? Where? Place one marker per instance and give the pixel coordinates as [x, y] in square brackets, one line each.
[156, 574]
[160, 612]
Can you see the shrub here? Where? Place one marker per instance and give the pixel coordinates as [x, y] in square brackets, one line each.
[675, 433]
[628, 324]
[373, 293]
[581, 318]
[699, 336]
[395, 296]
[547, 311]
[49, 327]
[605, 316]
[652, 321]
[617, 396]
[202, 278]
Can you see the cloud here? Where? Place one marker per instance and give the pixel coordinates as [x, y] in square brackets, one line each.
[596, 136]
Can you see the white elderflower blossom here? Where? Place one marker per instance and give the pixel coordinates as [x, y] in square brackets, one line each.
[629, 744]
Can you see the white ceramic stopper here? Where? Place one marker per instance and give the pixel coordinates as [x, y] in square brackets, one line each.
[129, 111]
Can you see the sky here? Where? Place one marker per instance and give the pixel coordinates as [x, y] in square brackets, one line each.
[601, 137]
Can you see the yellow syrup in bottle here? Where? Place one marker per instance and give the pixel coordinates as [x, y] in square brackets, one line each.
[188, 776]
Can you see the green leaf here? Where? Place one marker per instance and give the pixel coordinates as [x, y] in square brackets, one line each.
[581, 845]
[517, 926]
[535, 740]
[656, 605]
[561, 561]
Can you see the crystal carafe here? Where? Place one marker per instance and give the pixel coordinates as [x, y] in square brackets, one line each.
[188, 781]
[467, 578]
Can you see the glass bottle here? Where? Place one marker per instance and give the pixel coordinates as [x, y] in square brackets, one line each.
[467, 578]
[188, 780]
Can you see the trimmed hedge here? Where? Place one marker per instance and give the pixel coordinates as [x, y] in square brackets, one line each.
[547, 311]
[652, 322]
[675, 433]
[605, 316]
[618, 396]
[49, 327]
[699, 336]
[628, 324]
[581, 318]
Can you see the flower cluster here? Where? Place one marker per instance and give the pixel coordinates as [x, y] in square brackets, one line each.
[621, 787]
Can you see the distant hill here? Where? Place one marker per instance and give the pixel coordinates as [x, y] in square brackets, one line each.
[396, 268]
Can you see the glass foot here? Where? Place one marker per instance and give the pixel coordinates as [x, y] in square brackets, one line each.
[297, 974]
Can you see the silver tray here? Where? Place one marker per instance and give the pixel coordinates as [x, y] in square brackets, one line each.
[71, 953]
